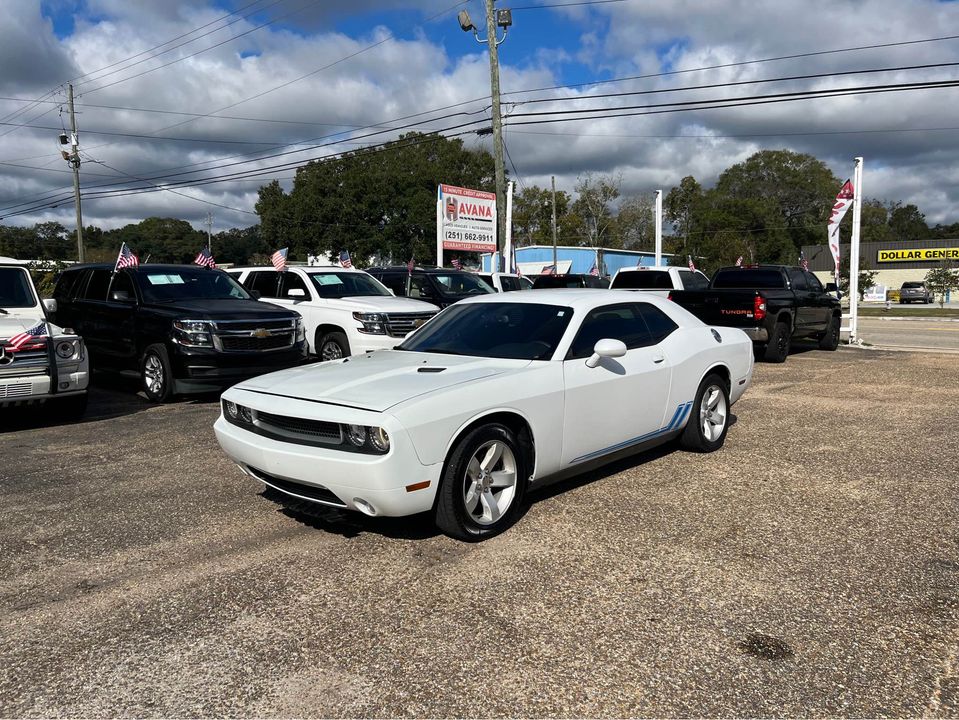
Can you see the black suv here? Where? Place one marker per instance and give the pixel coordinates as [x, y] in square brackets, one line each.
[551, 282]
[184, 329]
[439, 286]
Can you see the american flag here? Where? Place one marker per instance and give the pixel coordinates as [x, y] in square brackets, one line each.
[548, 270]
[803, 261]
[409, 266]
[204, 258]
[279, 259]
[692, 265]
[739, 261]
[20, 339]
[345, 259]
[519, 273]
[594, 270]
[457, 265]
[126, 258]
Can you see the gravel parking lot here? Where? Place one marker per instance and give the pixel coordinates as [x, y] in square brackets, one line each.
[809, 568]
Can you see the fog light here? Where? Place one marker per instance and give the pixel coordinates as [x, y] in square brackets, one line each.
[356, 434]
[364, 507]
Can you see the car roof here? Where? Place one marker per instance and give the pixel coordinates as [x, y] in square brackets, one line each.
[138, 268]
[305, 268]
[420, 268]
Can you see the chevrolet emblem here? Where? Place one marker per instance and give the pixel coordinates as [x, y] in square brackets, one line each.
[260, 333]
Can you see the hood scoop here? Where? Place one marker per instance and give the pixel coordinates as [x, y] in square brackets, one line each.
[430, 369]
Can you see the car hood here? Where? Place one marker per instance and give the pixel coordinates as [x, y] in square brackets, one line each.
[12, 324]
[224, 309]
[379, 380]
[382, 304]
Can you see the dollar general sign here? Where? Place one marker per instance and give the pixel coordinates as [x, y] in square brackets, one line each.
[918, 255]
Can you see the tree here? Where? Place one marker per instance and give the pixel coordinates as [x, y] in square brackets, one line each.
[533, 215]
[593, 207]
[942, 280]
[873, 223]
[907, 223]
[867, 278]
[681, 209]
[635, 225]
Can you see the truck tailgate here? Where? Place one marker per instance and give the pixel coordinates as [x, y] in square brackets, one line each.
[729, 308]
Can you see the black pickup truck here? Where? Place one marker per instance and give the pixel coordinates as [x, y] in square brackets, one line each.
[182, 329]
[771, 303]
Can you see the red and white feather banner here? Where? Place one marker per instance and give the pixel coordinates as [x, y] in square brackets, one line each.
[843, 203]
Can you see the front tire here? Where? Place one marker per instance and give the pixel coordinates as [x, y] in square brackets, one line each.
[483, 484]
[157, 374]
[830, 339]
[709, 419]
[332, 346]
[777, 350]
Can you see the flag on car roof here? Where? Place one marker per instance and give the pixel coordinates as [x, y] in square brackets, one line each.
[549, 270]
[457, 265]
[739, 261]
[803, 261]
[409, 266]
[204, 258]
[594, 270]
[514, 265]
[20, 339]
[692, 265]
[279, 259]
[125, 258]
[345, 259]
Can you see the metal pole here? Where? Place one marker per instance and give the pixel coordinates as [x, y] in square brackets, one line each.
[498, 162]
[508, 251]
[209, 231]
[854, 255]
[75, 164]
[555, 269]
[659, 228]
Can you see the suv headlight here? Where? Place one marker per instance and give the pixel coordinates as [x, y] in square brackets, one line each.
[373, 323]
[300, 329]
[193, 333]
[69, 349]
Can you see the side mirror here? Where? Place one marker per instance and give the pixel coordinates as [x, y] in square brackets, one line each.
[831, 287]
[121, 296]
[255, 294]
[606, 348]
[50, 305]
[296, 293]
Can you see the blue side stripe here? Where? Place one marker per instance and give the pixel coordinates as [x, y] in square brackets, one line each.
[681, 411]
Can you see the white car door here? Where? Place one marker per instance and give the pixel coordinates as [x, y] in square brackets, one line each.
[621, 401]
[302, 301]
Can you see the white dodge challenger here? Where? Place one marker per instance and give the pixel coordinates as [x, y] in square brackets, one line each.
[493, 396]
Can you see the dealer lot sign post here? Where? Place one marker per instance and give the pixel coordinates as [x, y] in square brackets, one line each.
[465, 220]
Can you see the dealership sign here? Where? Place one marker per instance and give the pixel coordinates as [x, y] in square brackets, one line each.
[918, 255]
[466, 219]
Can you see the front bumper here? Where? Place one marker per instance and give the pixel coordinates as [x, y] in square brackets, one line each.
[36, 388]
[207, 370]
[378, 481]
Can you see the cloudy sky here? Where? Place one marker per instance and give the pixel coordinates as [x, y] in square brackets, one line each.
[176, 93]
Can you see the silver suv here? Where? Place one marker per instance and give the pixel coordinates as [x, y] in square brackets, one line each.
[914, 292]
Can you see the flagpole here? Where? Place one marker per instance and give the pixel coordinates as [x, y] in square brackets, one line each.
[854, 256]
[659, 228]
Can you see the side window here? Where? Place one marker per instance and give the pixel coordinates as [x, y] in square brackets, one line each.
[814, 283]
[619, 322]
[98, 284]
[122, 284]
[797, 279]
[65, 285]
[659, 323]
[510, 284]
[292, 281]
[420, 287]
[263, 282]
[695, 281]
[395, 282]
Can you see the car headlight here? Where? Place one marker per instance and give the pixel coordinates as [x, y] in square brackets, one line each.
[379, 439]
[229, 409]
[373, 323]
[193, 333]
[300, 329]
[68, 349]
[356, 434]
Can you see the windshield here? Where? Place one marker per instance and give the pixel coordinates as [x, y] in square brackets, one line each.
[15, 289]
[188, 284]
[643, 280]
[346, 284]
[457, 283]
[518, 331]
[749, 278]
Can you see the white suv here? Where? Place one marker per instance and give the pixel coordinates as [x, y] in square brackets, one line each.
[53, 366]
[346, 311]
[658, 280]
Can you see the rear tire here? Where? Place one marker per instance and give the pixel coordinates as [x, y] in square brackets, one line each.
[332, 346]
[709, 418]
[483, 484]
[830, 338]
[157, 374]
[777, 349]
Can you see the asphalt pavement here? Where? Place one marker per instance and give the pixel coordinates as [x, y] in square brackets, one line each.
[914, 333]
[809, 568]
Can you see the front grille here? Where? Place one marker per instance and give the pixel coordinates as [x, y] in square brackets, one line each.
[401, 324]
[311, 492]
[238, 343]
[320, 431]
[24, 363]
[249, 325]
[15, 390]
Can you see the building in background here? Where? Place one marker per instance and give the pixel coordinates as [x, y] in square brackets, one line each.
[578, 260]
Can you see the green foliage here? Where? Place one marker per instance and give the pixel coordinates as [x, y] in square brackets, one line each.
[867, 278]
[907, 223]
[44, 274]
[533, 215]
[941, 280]
[593, 208]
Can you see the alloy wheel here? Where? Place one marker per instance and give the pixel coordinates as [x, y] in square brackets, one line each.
[153, 374]
[489, 486]
[712, 413]
[331, 351]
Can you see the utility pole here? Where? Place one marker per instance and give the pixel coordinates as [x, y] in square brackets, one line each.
[209, 231]
[504, 19]
[74, 161]
[555, 269]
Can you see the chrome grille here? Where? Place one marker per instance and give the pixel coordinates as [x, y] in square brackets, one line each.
[24, 363]
[254, 335]
[400, 324]
[232, 343]
[15, 390]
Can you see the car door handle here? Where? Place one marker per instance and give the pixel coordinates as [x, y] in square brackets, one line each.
[658, 358]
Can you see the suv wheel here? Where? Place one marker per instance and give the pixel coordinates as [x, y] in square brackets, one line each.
[157, 374]
[332, 346]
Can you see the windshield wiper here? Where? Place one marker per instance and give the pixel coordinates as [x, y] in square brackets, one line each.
[4, 311]
[439, 352]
